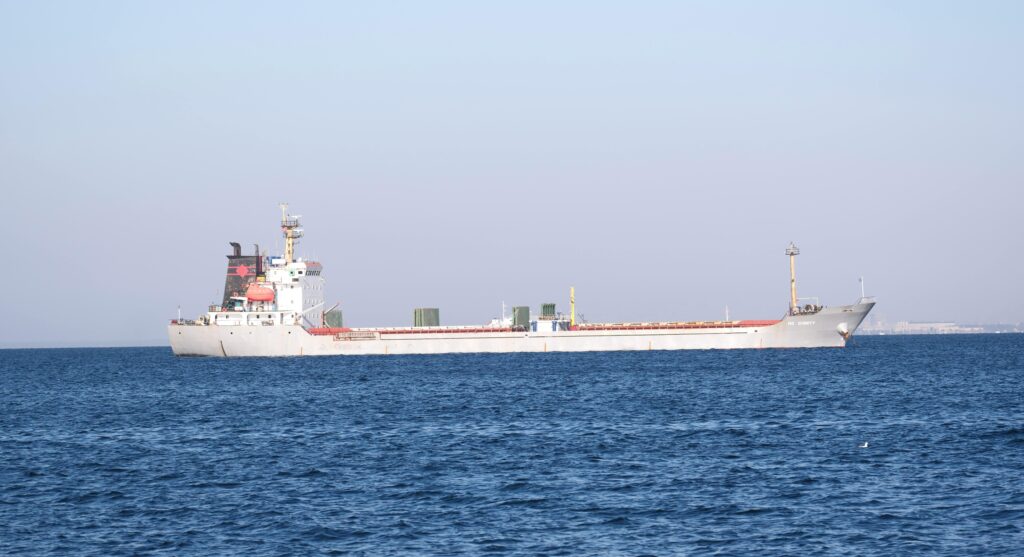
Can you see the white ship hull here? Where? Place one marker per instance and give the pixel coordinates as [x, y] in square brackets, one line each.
[829, 327]
[272, 306]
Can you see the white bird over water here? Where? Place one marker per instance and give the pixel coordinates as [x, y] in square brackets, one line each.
[863, 445]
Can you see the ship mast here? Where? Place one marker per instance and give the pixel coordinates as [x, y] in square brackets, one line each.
[792, 251]
[572, 307]
[292, 232]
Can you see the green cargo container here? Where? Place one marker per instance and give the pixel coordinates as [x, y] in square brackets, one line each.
[333, 318]
[521, 317]
[547, 310]
[426, 317]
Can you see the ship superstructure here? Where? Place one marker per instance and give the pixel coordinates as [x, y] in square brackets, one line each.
[264, 291]
[275, 306]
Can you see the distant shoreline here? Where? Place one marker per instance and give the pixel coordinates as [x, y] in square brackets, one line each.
[924, 334]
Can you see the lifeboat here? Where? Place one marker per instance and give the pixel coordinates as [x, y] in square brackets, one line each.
[257, 293]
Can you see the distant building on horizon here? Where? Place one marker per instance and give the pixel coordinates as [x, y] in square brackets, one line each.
[880, 327]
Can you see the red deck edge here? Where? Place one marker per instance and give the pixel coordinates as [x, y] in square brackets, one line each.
[449, 331]
[328, 330]
[664, 326]
[609, 327]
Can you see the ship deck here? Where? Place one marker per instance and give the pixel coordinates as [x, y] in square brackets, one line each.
[581, 327]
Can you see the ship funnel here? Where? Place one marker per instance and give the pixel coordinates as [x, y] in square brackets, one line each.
[241, 271]
[259, 263]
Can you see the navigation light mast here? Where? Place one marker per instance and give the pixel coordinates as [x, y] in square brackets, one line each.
[792, 251]
[572, 307]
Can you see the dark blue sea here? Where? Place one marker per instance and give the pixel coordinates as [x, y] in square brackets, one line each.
[133, 451]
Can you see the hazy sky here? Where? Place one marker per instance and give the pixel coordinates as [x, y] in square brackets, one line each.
[657, 155]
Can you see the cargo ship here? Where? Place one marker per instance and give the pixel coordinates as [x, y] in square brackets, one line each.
[275, 306]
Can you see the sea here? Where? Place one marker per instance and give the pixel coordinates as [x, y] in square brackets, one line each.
[908, 445]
